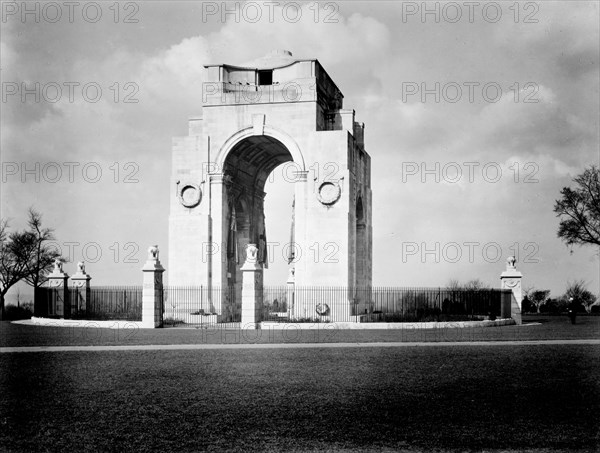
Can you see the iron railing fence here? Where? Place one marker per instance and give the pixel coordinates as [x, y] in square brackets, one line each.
[49, 302]
[97, 303]
[200, 305]
[380, 304]
[108, 302]
[275, 304]
[434, 304]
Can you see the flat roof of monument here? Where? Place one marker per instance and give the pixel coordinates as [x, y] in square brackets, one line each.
[276, 59]
[273, 60]
[261, 67]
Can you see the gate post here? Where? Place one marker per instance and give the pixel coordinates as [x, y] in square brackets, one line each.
[291, 283]
[81, 281]
[58, 279]
[152, 292]
[511, 279]
[252, 285]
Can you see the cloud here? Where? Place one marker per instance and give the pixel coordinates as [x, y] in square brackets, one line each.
[175, 76]
[368, 55]
[361, 40]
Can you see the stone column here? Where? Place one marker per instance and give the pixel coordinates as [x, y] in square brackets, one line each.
[301, 194]
[252, 282]
[58, 279]
[217, 267]
[81, 282]
[290, 296]
[152, 293]
[511, 279]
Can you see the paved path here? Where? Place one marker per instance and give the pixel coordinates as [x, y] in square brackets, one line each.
[192, 347]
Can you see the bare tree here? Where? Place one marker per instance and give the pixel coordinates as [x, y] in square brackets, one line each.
[580, 294]
[12, 266]
[25, 255]
[453, 285]
[538, 297]
[579, 209]
[41, 254]
[475, 285]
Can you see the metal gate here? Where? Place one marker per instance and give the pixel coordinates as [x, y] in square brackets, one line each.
[199, 306]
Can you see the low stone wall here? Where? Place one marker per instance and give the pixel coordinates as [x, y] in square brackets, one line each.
[284, 325]
[110, 324]
[386, 325]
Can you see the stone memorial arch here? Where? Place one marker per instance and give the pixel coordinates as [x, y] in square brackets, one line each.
[255, 117]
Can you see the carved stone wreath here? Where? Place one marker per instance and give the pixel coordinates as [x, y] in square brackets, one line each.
[190, 195]
[329, 192]
[322, 309]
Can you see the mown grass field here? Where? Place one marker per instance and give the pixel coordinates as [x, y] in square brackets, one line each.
[478, 398]
[546, 328]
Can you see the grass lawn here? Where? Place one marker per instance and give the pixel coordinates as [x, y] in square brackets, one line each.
[543, 398]
[550, 327]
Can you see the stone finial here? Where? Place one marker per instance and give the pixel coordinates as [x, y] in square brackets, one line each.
[251, 263]
[291, 275]
[153, 263]
[57, 278]
[251, 253]
[80, 278]
[153, 253]
[510, 263]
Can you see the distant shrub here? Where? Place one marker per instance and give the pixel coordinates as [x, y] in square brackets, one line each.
[595, 309]
[170, 321]
[527, 306]
[14, 313]
[553, 306]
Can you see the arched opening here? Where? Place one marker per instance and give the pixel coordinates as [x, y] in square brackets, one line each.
[279, 213]
[248, 174]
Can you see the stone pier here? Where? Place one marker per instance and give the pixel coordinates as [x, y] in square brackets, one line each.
[152, 293]
[81, 281]
[511, 279]
[59, 280]
[251, 289]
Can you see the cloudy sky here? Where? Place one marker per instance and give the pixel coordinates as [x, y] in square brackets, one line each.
[475, 119]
